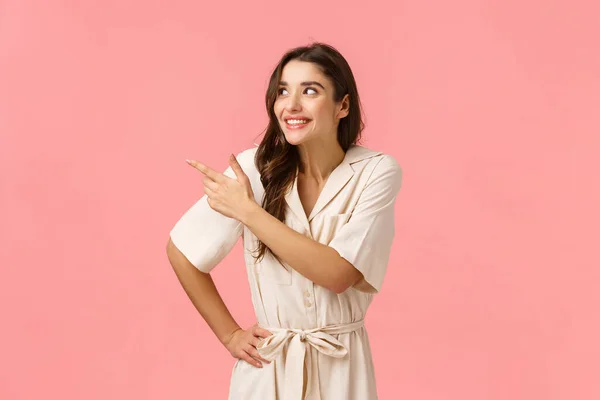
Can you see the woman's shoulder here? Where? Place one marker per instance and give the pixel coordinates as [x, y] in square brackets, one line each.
[380, 167]
[381, 161]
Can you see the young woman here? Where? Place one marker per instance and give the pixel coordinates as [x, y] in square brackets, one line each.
[316, 213]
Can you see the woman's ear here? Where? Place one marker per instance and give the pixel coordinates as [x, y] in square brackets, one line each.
[345, 107]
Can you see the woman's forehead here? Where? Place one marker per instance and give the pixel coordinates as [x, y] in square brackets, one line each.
[295, 72]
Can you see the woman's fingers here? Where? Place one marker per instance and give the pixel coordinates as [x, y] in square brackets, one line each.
[247, 357]
[212, 174]
[254, 341]
[237, 168]
[254, 353]
[246, 346]
[260, 332]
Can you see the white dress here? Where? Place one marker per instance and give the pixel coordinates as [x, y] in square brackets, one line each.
[319, 347]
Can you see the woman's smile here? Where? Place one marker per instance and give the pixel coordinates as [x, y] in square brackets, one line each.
[296, 124]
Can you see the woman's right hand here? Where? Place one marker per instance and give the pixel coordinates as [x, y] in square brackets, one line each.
[242, 344]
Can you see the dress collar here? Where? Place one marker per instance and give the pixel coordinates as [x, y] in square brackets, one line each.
[338, 178]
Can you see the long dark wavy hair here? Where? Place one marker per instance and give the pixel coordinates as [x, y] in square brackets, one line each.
[276, 159]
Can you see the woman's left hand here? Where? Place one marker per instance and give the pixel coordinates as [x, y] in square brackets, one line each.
[230, 197]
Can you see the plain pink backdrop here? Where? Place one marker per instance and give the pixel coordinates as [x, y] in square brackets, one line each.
[491, 108]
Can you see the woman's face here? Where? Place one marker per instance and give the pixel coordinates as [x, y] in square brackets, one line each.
[305, 106]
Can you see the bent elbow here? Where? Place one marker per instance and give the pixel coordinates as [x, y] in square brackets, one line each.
[340, 285]
[346, 278]
[339, 289]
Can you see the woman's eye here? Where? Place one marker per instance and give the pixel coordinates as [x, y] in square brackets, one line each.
[307, 89]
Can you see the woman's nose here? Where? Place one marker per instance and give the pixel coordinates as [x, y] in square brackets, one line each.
[293, 104]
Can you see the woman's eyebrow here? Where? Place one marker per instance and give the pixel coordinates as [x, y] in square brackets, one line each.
[308, 83]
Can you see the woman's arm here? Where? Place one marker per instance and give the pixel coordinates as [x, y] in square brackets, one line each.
[203, 293]
[316, 261]
[234, 198]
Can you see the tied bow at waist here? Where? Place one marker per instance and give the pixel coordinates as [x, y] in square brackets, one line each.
[298, 354]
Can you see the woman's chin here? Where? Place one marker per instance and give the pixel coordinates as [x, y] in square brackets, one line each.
[294, 138]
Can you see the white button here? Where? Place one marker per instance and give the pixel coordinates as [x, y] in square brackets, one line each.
[307, 303]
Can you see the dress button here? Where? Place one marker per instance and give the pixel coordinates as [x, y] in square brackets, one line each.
[307, 293]
[307, 303]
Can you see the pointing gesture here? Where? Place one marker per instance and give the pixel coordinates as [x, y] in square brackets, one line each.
[230, 197]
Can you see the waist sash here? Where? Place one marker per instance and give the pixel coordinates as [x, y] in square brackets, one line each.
[298, 354]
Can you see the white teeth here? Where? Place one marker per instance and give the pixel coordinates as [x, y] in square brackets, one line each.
[296, 121]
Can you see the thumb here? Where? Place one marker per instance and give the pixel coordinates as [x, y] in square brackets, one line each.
[237, 168]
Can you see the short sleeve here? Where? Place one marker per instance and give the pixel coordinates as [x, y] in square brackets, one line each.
[204, 235]
[365, 241]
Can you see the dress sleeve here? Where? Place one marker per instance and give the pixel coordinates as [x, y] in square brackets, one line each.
[365, 241]
[205, 236]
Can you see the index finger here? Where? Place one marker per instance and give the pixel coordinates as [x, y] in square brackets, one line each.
[258, 331]
[212, 174]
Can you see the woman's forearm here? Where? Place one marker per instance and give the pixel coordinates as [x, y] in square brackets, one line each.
[316, 261]
[201, 290]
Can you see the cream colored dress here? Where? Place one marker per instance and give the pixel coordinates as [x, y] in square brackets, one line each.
[319, 347]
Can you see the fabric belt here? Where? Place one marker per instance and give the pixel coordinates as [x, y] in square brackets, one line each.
[299, 354]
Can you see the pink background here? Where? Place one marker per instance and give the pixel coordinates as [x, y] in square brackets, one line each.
[491, 108]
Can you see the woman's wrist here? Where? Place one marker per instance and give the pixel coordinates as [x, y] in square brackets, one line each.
[227, 338]
[249, 211]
